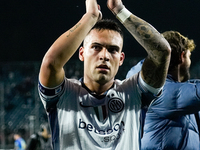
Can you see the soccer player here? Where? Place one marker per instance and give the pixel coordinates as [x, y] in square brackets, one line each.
[172, 119]
[97, 111]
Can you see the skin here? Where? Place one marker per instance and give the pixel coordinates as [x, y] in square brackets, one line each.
[16, 136]
[181, 71]
[51, 71]
[102, 55]
[45, 133]
[155, 67]
[185, 66]
[96, 77]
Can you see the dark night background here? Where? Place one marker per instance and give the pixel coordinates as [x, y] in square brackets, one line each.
[28, 28]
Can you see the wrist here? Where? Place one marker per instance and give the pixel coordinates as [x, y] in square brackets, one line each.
[123, 14]
[117, 9]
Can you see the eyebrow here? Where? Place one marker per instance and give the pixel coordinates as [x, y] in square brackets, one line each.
[109, 46]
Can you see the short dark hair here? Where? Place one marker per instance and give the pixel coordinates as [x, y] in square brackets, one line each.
[178, 44]
[108, 24]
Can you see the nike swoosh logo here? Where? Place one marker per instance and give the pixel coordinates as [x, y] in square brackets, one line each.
[81, 104]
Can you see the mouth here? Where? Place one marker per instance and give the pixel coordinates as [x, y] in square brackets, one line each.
[103, 68]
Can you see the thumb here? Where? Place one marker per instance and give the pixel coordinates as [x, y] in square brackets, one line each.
[100, 13]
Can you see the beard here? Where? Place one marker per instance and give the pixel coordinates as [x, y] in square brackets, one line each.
[185, 73]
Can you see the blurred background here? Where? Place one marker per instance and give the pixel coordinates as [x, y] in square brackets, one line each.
[27, 30]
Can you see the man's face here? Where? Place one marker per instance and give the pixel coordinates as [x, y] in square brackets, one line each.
[102, 55]
[185, 67]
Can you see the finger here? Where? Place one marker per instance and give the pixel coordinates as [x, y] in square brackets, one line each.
[100, 15]
[99, 7]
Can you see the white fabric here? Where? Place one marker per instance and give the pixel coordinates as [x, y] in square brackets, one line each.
[149, 88]
[123, 14]
[79, 127]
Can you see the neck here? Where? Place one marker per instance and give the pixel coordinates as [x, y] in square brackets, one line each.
[175, 72]
[98, 88]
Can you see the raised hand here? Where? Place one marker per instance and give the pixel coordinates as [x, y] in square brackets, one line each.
[93, 8]
[115, 5]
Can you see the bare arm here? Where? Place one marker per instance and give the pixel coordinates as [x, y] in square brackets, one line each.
[155, 67]
[51, 71]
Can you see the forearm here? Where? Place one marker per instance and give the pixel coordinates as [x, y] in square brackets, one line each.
[155, 67]
[51, 72]
[156, 64]
[67, 44]
[148, 37]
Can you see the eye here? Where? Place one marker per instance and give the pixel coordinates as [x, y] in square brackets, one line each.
[96, 47]
[113, 49]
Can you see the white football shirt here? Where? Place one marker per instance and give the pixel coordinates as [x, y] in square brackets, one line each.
[80, 120]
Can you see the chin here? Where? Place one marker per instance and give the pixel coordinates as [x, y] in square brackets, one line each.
[102, 79]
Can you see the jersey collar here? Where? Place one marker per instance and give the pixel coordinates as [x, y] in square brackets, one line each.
[92, 93]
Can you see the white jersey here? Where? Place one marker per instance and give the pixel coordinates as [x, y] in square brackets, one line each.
[81, 121]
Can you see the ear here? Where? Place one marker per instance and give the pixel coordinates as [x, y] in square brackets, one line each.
[81, 51]
[122, 56]
[182, 57]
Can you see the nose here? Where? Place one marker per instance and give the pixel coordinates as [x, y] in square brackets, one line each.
[104, 54]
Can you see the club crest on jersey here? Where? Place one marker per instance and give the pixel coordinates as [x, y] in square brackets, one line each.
[115, 105]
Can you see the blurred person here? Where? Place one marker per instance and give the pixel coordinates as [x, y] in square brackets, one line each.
[172, 120]
[97, 111]
[19, 143]
[40, 140]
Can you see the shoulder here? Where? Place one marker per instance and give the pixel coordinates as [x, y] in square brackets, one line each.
[128, 81]
[194, 81]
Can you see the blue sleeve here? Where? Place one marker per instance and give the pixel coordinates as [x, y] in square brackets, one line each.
[178, 99]
[135, 69]
[197, 82]
[190, 95]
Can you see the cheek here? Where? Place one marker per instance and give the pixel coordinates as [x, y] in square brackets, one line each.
[116, 61]
[189, 61]
[119, 60]
[90, 53]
